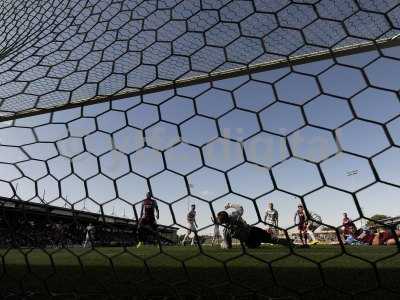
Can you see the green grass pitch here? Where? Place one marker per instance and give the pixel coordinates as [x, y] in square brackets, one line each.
[271, 272]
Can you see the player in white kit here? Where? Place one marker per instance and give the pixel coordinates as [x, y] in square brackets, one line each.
[191, 225]
[89, 235]
[271, 218]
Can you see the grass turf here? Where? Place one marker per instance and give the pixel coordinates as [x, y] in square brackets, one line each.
[320, 272]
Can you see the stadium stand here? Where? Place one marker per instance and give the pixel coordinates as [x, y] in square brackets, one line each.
[24, 224]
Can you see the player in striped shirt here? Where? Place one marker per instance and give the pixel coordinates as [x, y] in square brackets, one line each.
[300, 219]
[348, 226]
[191, 225]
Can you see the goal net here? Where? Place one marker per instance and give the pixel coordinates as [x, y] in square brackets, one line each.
[204, 103]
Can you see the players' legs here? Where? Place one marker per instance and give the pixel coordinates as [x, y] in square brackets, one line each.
[139, 236]
[188, 232]
[155, 234]
[376, 241]
[87, 240]
[305, 237]
[146, 230]
[216, 236]
[194, 230]
[301, 235]
[311, 234]
[227, 242]
[194, 236]
[141, 232]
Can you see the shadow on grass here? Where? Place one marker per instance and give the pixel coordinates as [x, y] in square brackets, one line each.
[199, 283]
[182, 274]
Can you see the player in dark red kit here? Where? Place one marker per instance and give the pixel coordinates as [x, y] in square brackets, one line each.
[386, 237]
[348, 226]
[147, 222]
[300, 219]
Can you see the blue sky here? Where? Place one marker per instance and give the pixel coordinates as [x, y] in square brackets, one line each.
[201, 135]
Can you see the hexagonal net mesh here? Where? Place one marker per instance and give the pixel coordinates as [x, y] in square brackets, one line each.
[63, 52]
[203, 103]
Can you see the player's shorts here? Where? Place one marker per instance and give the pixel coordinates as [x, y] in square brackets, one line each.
[147, 227]
[191, 227]
[302, 226]
[150, 222]
[147, 223]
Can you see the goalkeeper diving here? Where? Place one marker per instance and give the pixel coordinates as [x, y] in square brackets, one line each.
[236, 227]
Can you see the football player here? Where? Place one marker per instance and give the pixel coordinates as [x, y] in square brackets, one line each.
[271, 218]
[89, 235]
[192, 225]
[236, 227]
[147, 222]
[300, 219]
